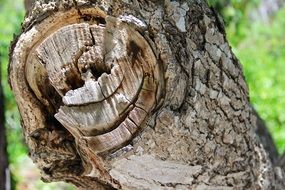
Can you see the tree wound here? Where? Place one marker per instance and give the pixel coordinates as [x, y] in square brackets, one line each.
[98, 77]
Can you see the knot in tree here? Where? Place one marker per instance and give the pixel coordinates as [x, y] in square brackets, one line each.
[104, 72]
[135, 95]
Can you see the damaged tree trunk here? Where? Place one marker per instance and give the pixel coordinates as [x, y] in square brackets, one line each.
[136, 95]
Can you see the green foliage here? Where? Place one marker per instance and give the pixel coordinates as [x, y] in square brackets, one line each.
[233, 10]
[11, 15]
[260, 47]
[262, 53]
[236, 14]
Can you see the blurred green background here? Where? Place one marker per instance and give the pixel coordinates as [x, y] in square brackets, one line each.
[256, 32]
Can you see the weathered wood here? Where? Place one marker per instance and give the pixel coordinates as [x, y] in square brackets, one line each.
[115, 89]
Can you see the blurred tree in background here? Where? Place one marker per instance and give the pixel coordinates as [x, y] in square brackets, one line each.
[255, 30]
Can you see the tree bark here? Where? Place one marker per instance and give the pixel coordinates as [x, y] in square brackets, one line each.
[136, 95]
[4, 169]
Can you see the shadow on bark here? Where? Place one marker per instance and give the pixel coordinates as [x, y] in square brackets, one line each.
[266, 139]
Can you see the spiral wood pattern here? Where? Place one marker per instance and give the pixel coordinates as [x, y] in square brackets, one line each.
[100, 78]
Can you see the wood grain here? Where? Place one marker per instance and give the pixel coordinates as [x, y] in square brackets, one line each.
[97, 80]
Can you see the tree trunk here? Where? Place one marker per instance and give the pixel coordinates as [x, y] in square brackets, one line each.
[4, 170]
[136, 95]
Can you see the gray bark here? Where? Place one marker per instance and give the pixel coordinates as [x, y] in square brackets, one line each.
[136, 95]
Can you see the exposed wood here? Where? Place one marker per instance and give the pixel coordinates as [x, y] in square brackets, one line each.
[266, 139]
[136, 95]
[154, 172]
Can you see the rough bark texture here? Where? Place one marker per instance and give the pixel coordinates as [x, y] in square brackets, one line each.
[266, 139]
[4, 170]
[136, 95]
